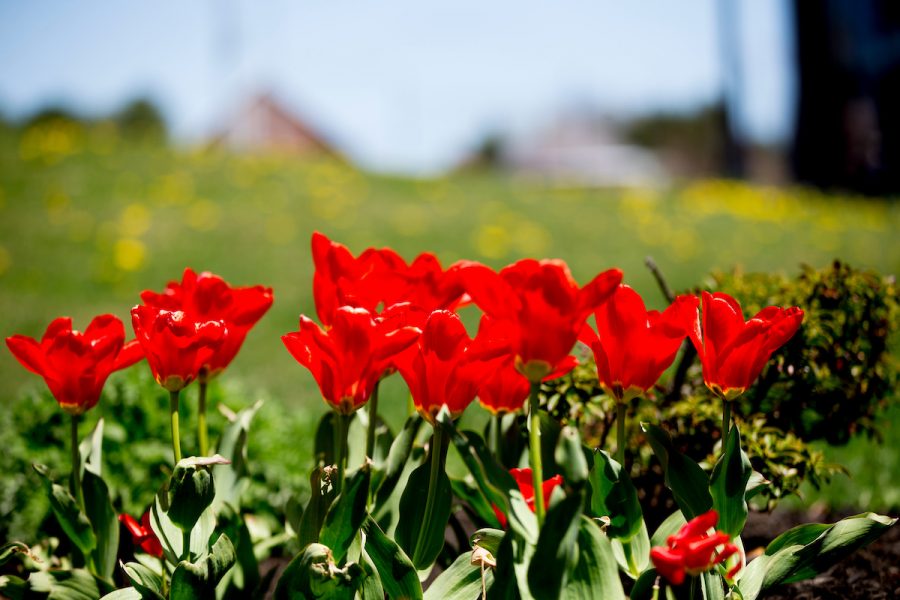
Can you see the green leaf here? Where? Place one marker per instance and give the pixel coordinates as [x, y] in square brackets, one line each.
[232, 479]
[386, 475]
[569, 456]
[713, 586]
[321, 496]
[128, 593]
[805, 551]
[756, 484]
[323, 445]
[347, 514]
[191, 490]
[171, 536]
[467, 491]
[64, 585]
[728, 485]
[73, 522]
[199, 579]
[461, 581]
[495, 482]
[688, 482]
[370, 585]
[643, 587]
[244, 575]
[511, 575]
[556, 552]
[147, 582]
[613, 495]
[487, 538]
[412, 525]
[312, 575]
[91, 449]
[633, 554]
[670, 526]
[595, 574]
[12, 549]
[398, 575]
[104, 523]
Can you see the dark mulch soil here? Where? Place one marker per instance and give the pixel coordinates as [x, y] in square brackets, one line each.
[872, 573]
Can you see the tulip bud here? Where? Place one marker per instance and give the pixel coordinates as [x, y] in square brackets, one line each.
[191, 490]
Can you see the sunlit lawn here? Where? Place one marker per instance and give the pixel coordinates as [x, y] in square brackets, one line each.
[87, 222]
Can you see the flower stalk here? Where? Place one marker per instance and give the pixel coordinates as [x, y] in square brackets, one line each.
[176, 436]
[726, 421]
[621, 409]
[341, 426]
[534, 450]
[373, 423]
[202, 431]
[76, 465]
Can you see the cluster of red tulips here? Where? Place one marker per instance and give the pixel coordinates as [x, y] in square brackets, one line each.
[379, 314]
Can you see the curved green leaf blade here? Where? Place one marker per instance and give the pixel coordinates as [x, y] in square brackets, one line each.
[412, 523]
[199, 579]
[613, 495]
[461, 581]
[398, 575]
[807, 550]
[595, 574]
[556, 552]
[728, 485]
[74, 523]
[670, 526]
[686, 479]
[232, 479]
[347, 514]
[147, 582]
[64, 585]
[104, 523]
[387, 475]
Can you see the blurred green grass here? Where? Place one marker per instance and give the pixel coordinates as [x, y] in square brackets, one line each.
[88, 220]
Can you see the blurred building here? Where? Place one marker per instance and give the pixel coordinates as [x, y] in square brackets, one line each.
[584, 150]
[262, 124]
[848, 118]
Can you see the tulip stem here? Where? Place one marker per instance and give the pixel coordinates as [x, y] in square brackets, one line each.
[186, 545]
[341, 425]
[437, 464]
[202, 432]
[373, 423]
[76, 466]
[534, 449]
[621, 409]
[496, 435]
[176, 436]
[726, 421]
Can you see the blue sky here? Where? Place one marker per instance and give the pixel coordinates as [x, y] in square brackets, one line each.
[401, 85]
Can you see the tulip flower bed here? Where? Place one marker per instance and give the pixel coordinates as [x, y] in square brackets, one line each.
[565, 522]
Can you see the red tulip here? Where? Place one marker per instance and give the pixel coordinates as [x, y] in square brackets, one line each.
[177, 347]
[523, 478]
[207, 297]
[505, 389]
[447, 366]
[635, 346]
[142, 534]
[542, 304]
[694, 550]
[75, 365]
[348, 359]
[378, 279]
[733, 353]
